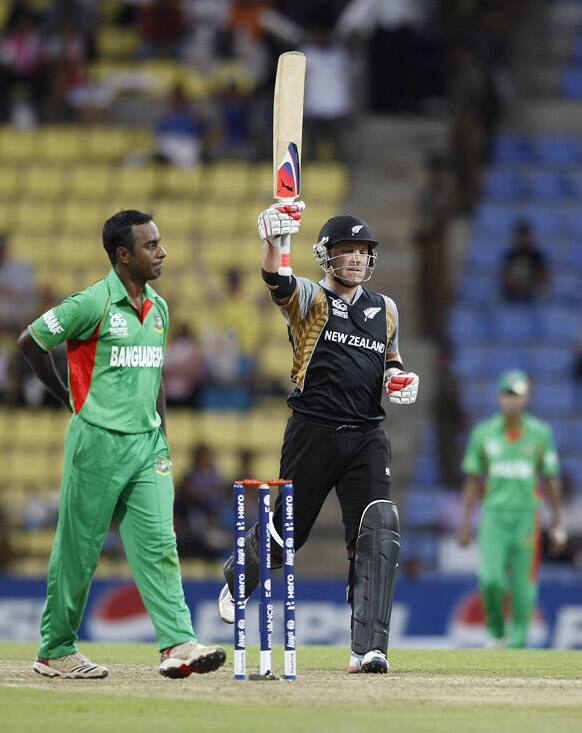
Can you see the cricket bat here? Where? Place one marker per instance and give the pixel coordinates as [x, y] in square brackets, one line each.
[287, 134]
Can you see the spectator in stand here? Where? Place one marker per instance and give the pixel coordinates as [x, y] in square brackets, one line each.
[524, 270]
[179, 132]
[434, 211]
[328, 93]
[18, 296]
[183, 368]
[198, 506]
[66, 55]
[474, 106]
[234, 120]
[164, 27]
[22, 70]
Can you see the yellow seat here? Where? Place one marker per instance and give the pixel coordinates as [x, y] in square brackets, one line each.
[34, 217]
[60, 144]
[44, 182]
[220, 219]
[325, 183]
[194, 84]
[10, 180]
[261, 182]
[229, 181]
[83, 217]
[117, 43]
[107, 144]
[174, 218]
[180, 182]
[162, 76]
[138, 184]
[92, 181]
[18, 146]
[6, 216]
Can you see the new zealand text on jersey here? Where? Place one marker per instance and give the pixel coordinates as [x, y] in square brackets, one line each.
[352, 340]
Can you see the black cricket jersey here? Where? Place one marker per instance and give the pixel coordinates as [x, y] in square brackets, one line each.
[339, 353]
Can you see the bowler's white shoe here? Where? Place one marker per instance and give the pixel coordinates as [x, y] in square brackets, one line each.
[226, 605]
[375, 662]
[75, 666]
[491, 642]
[355, 663]
[184, 659]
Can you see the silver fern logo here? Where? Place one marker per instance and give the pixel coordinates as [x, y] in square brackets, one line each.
[370, 313]
[356, 229]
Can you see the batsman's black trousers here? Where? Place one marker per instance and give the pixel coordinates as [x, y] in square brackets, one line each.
[317, 458]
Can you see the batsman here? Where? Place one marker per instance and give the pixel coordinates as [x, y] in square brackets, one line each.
[345, 352]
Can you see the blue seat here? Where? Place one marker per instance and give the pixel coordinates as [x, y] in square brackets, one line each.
[479, 397]
[467, 326]
[549, 187]
[566, 289]
[545, 220]
[511, 148]
[513, 324]
[484, 256]
[570, 85]
[558, 325]
[572, 465]
[495, 221]
[571, 257]
[478, 290]
[502, 185]
[555, 149]
[573, 183]
[471, 361]
[554, 398]
[545, 363]
[571, 222]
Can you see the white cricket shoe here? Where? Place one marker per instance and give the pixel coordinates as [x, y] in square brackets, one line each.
[75, 666]
[375, 662]
[184, 659]
[355, 663]
[491, 642]
[226, 605]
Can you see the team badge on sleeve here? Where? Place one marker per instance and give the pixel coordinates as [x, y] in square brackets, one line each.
[158, 323]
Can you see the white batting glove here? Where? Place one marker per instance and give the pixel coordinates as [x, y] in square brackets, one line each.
[280, 219]
[402, 387]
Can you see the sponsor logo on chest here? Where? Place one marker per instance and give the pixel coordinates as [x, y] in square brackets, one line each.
[360, 342]
[136, 356]
[518, 469]
[339, 308]
[118, 325]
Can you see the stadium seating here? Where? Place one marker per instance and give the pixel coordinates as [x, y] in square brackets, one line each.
[57, 187]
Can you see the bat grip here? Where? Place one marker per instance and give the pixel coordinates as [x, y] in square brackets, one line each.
[285, 250]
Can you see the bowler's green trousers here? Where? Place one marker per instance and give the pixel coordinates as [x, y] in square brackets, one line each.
[107, 473]
[507, 550]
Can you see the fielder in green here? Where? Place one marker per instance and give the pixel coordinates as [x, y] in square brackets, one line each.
[513, 451]
[117, 459]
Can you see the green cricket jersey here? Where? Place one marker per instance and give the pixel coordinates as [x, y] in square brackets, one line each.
[115, 353]
[512, 467]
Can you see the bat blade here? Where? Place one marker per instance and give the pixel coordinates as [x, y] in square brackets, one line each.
[288, 125]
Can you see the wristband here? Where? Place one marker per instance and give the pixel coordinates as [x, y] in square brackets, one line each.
[282, 285]
[394, 365]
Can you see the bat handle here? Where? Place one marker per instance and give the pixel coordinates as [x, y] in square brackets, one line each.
[285, 250]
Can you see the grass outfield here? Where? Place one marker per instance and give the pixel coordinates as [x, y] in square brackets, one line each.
[482, 691]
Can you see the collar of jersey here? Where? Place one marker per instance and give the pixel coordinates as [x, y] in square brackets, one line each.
[119, 293]
[359, 291]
